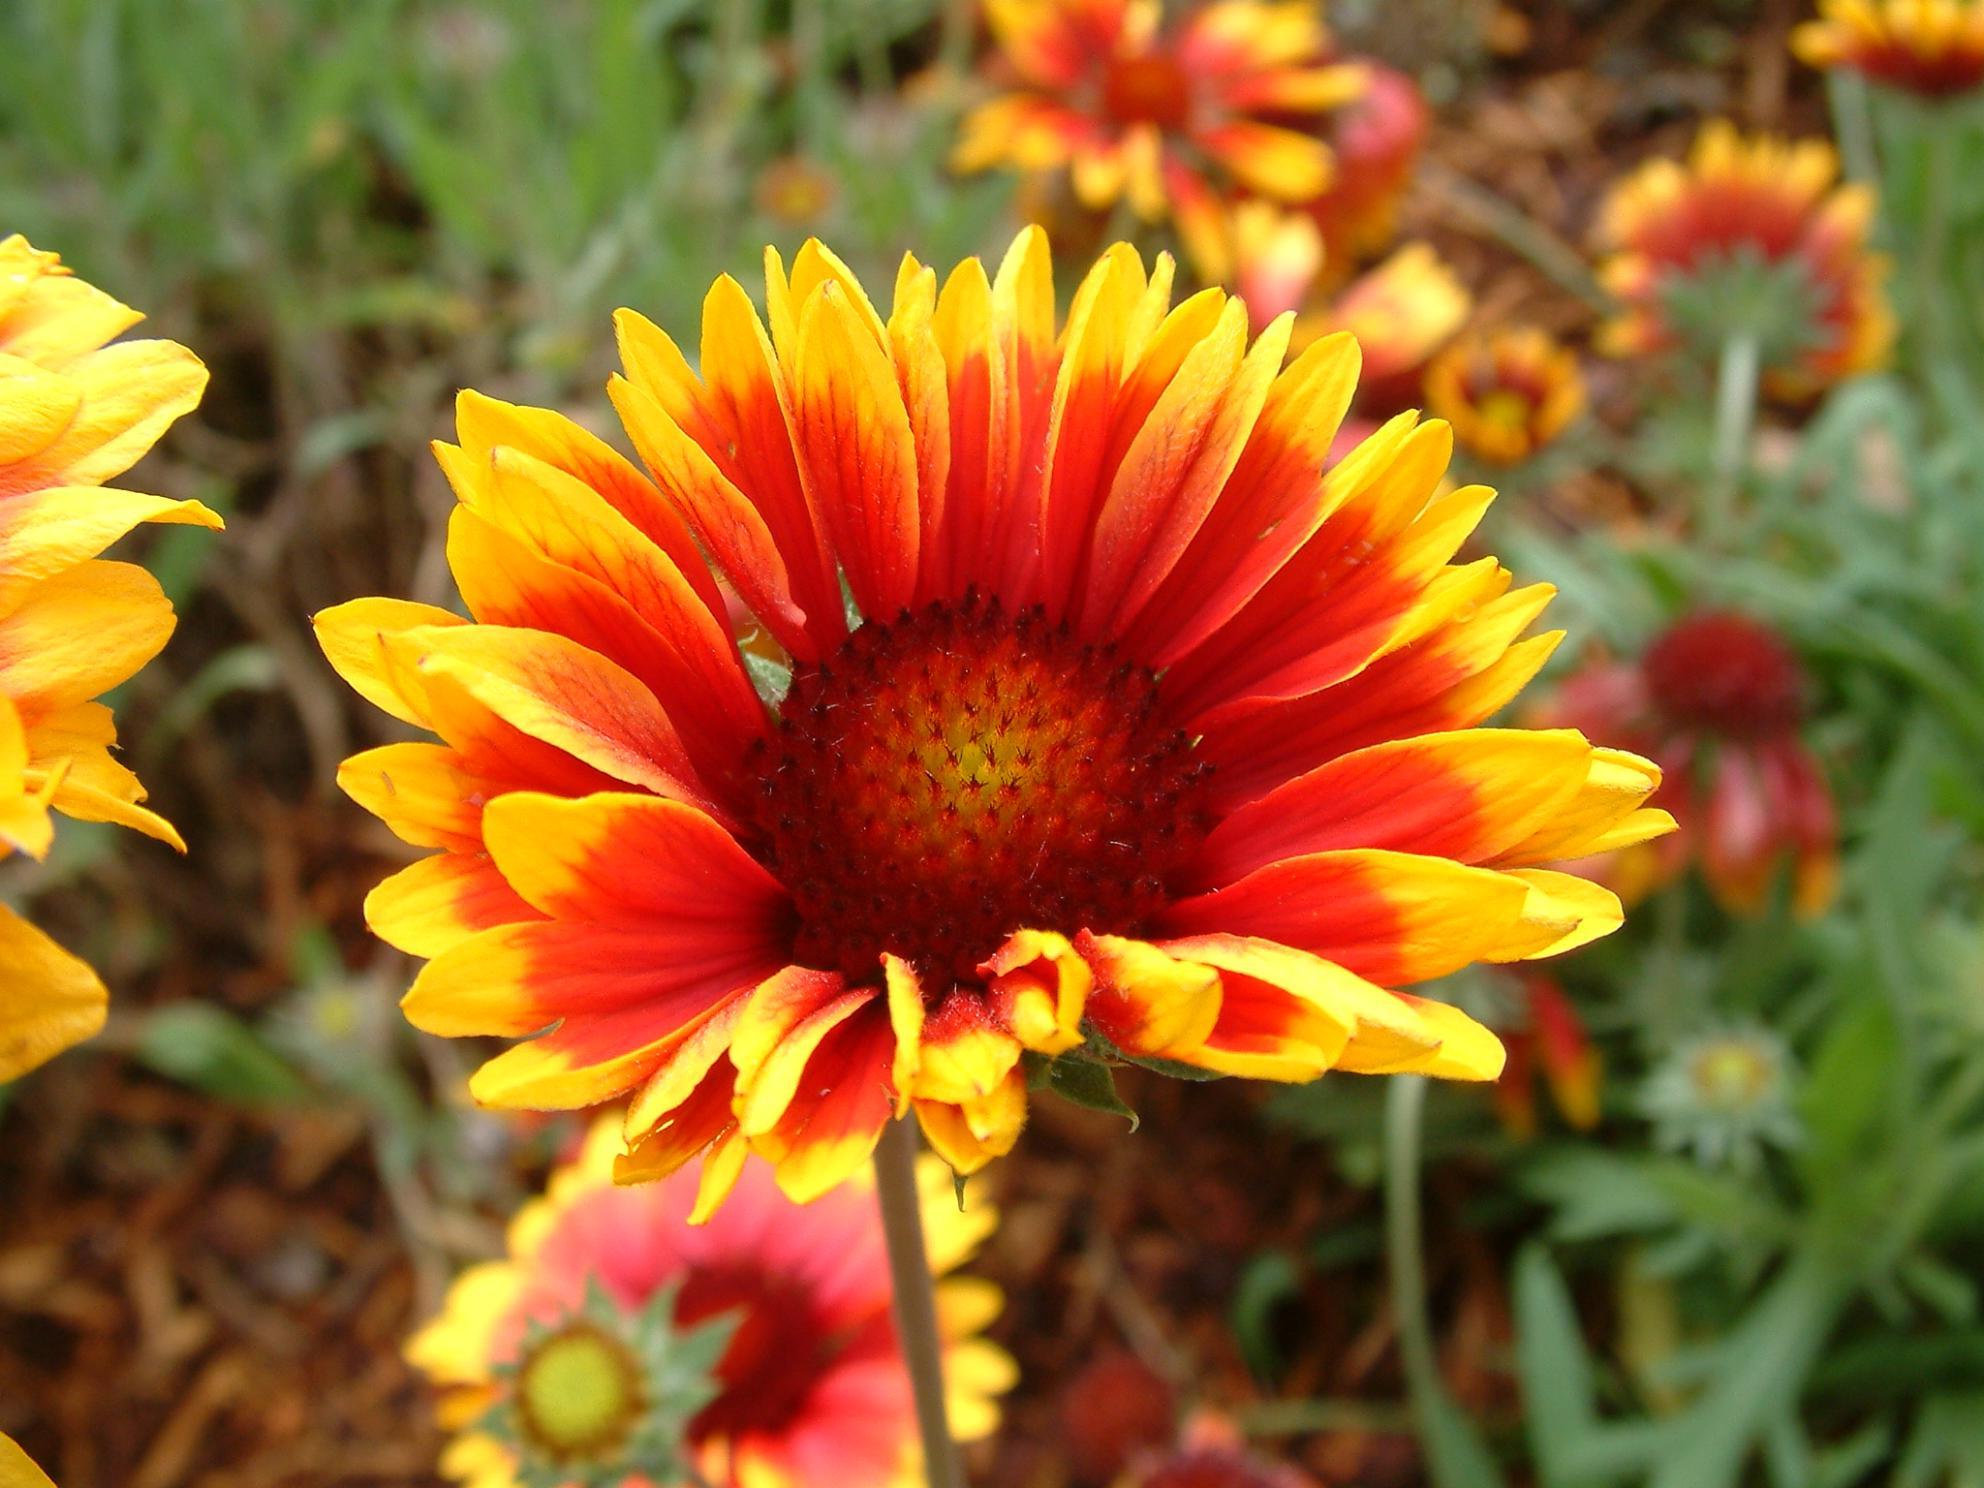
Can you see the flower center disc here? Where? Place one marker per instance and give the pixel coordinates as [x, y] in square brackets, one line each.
[1147, 90]
[960, 774]
[578, 1393]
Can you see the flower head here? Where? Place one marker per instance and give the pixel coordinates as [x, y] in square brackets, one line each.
[1508, 393]
[1934, 48]
[1718, 700]
[1112, 729]
[1724, 1097]
[758, 1348]
[1170, 116]
[1751, 235]
[75, 411]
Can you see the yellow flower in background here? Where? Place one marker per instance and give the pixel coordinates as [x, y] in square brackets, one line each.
[17, 1469]
[1507, 393]
[1148, 740]
[1224, 98]
[1934, 48]
[76, 409]
[810, 1389]
[1737, 202]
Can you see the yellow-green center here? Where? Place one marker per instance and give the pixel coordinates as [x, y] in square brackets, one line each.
[578, 1393]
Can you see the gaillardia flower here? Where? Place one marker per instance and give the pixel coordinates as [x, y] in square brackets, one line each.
[1507, 393]
[1225, 98]
[1113, 728]
[1934, 48]
[74, 412]
[1748, 227]
[557, 1356]
[1718, 699]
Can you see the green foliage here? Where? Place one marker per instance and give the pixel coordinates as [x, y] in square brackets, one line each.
[1825, 1315]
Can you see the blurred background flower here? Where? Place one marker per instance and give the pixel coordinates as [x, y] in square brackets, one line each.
[615, 1341]
[1934, 48]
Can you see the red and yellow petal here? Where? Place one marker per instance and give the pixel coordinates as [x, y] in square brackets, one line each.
[1476, 796]
[557, 692]
[431, 906]
[1393, 918]
[1038, 985]
[814, 1086]
[1145, 1002]
[424, 792]
[857, 449]
[970, 1134]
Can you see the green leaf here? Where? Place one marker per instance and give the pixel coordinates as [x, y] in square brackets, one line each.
[1456, 1456]
[205, 1046]
[1088, 1083]
[1268, 1280]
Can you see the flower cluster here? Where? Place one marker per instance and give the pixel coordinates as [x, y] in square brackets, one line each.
[77, 408]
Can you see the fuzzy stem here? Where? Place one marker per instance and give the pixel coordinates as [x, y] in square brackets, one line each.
[915, 1300]
[1735, 418]
[1932, 306]
[1405, 1110]
[1852, 121]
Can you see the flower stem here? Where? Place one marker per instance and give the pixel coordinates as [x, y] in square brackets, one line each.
[1735, 419]
[915, 1299]
[1932, 307]
[1405, 1110]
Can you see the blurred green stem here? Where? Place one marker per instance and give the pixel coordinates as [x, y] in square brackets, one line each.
[1735, 418]
[1853, 122]
[1405, 1112]
[915, 1299]
[1932, 308]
